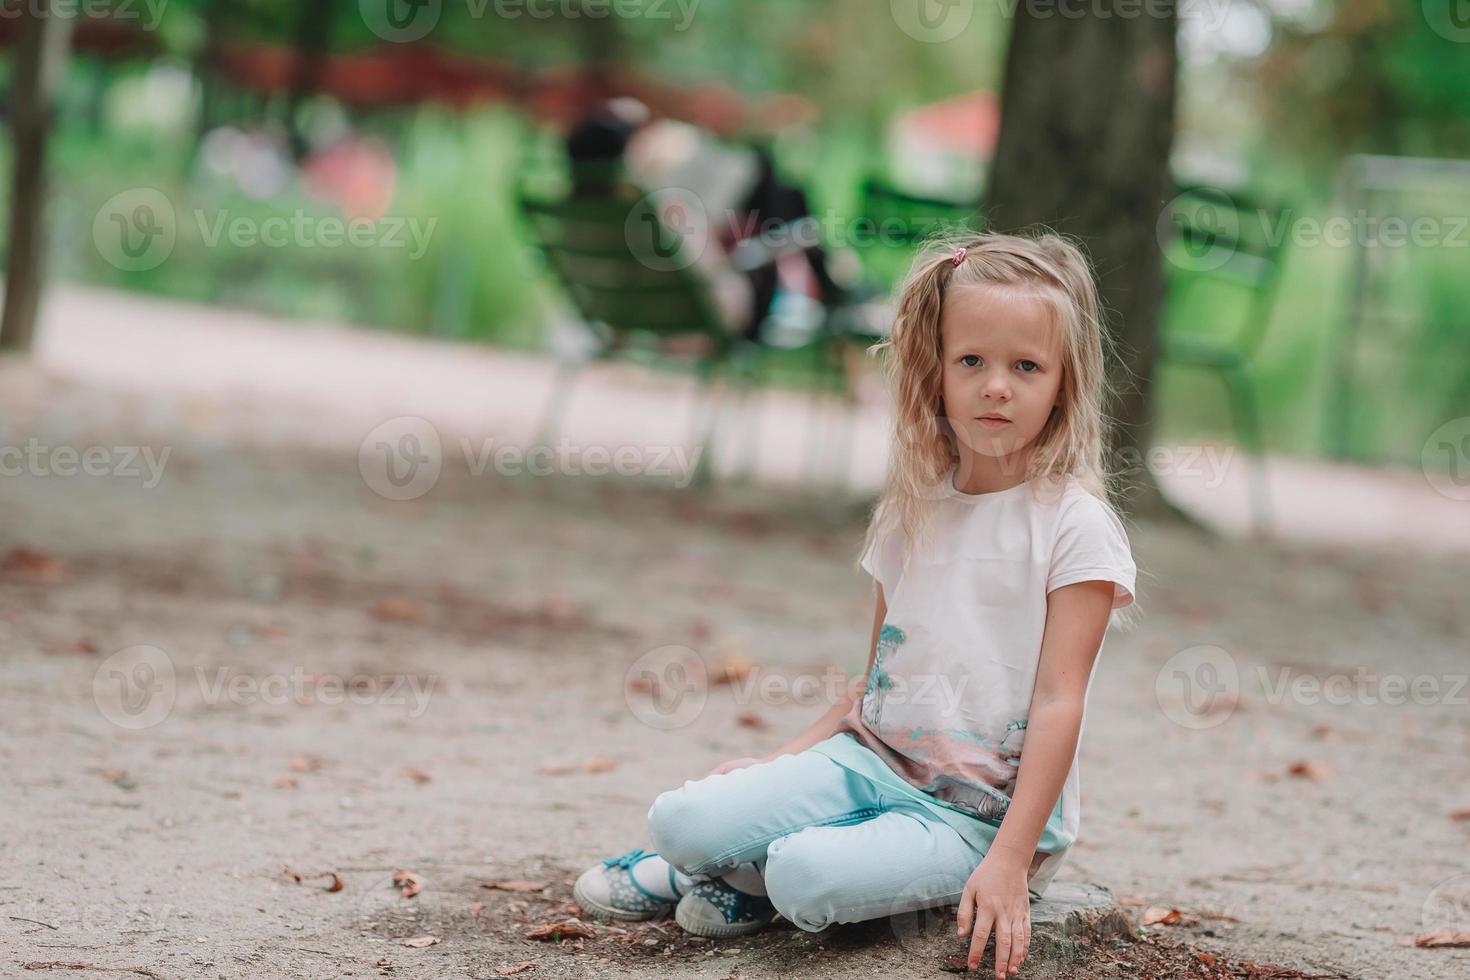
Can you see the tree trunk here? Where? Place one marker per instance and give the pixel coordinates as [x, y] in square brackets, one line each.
[39, 60]
[312, 41]
[1087, 122]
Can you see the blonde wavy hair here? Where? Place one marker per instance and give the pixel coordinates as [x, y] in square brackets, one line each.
[1046, 266]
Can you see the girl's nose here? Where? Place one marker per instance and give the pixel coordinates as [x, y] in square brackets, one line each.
[995, 387]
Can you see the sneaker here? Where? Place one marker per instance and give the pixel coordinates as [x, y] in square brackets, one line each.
[717, 911]
[609, 890]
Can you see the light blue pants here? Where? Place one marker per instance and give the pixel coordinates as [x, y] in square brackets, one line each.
[832, 845]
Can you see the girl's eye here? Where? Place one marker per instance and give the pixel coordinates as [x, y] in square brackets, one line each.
[968, 358]
[1028, 366]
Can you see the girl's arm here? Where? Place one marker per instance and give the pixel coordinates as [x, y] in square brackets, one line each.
[1076, 618]
[826, 726]
[996, 895]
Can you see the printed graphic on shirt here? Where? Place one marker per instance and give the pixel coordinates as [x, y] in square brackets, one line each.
[890, 638]
[968, 768]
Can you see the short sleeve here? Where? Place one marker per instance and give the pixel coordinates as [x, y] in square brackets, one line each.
[1091, 545]
[884, 558]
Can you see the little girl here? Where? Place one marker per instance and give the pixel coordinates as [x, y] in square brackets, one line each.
[997, 564]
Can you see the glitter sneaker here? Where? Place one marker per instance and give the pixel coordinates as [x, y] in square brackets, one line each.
[717, 911]
[609, 890]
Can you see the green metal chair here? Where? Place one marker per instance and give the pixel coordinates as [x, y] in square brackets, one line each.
[896, 221]
[623, 271]
[1223, 239]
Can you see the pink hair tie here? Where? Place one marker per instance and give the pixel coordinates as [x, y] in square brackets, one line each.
[960, 256]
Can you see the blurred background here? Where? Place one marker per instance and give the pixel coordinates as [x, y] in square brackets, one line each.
[501, 344]
[236, 144]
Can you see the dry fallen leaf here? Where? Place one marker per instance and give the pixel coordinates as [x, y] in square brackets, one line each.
[382, 961]
[600, 764]
[1310, 769]
[565, 929]
[514, 886]
[556, 769]
[83, 647]
[1444, 939]
[410, 883]
[119, 778]
[285, 782]
[514, 968]
[1159, 915]
[32, 565]
[335, 885]
[306, 763]
[290, 874]
[417, 775]
[732, 668]
[420, 942]
[752, 720]
[1461, 815]
[397, 609]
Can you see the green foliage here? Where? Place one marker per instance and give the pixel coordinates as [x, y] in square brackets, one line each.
[454, 181]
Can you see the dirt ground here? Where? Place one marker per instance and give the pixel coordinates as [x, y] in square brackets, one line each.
[439, 685]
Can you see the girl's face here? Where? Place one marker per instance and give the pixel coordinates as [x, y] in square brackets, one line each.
[1002, 369]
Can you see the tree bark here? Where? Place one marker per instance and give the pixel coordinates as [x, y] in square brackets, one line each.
[39, 60]
[313, 39]
[1087, 124]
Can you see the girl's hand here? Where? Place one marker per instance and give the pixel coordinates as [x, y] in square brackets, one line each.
[996, 898]
[734, 764]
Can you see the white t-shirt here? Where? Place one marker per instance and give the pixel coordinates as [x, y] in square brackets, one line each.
[948, 697]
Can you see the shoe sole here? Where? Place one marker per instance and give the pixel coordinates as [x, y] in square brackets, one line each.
[607, 911]
[715, 930]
